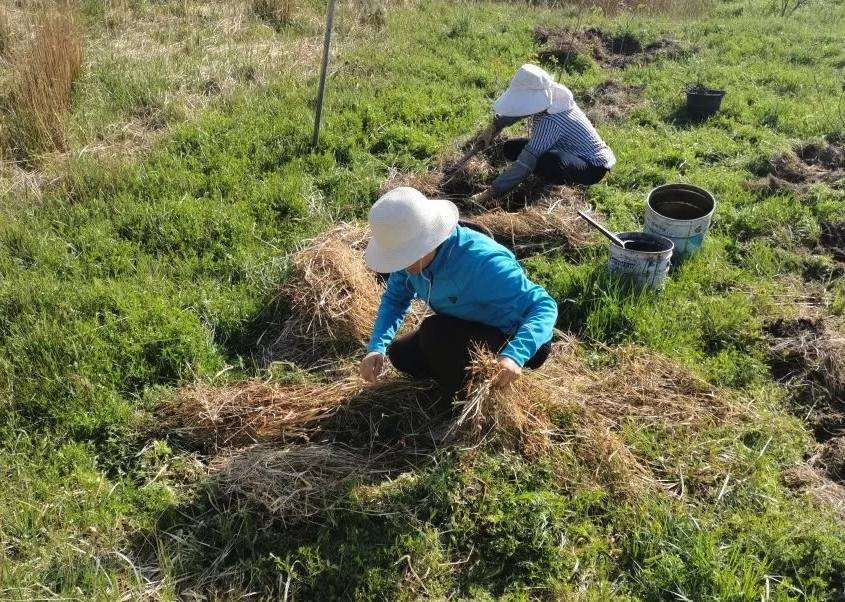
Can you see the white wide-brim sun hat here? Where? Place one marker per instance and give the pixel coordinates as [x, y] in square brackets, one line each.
[406, 226]
[533, 90]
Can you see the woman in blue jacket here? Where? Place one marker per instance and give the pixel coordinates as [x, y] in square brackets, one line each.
[475, 286]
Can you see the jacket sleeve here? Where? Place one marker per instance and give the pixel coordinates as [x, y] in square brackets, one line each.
[534, 309]
[509, 179]
[394, 306]
[500, 122]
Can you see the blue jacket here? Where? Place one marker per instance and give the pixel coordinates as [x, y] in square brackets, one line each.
[473, 278]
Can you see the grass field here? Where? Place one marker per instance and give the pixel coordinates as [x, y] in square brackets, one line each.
[142, 252]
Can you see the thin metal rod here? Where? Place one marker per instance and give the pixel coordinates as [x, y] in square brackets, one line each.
[615, 239]
[321, 93]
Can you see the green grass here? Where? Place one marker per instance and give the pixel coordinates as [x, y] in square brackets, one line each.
[132, 275]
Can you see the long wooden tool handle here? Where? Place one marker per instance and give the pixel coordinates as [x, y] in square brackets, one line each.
[615, 239]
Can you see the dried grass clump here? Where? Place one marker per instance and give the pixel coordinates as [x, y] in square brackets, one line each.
[654, 389]
[645, 389]
[42, 85]
[333, 299]
[449, 181]
[386, 412]
[812, 482]
[427, 181]
[301, 482]
[543, 228]
[520, 413]
[217, 417]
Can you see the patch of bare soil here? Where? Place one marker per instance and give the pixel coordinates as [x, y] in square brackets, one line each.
[620, 50]
[810, 355]
[833, 239]
[611, 100]
[808, 163]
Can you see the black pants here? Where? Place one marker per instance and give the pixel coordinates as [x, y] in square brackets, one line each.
[552, 169]
[441, 349]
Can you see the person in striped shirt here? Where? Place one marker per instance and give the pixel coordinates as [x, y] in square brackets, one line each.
[564, 147]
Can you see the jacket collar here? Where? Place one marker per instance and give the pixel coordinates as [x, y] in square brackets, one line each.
[443, 253]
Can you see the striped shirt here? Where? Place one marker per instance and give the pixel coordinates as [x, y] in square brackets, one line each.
[568, 134]
[572, 133]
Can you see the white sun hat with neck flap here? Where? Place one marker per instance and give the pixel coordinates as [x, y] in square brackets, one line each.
[405, 227]
[533, 90]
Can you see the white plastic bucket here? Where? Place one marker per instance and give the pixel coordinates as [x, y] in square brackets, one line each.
[645, 259]
[681, 213]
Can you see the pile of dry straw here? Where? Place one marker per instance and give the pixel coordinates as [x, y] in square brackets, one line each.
[310, 441]
[330, 300]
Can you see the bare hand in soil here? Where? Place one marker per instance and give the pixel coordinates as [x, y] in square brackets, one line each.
[371, 366]
[509, 371]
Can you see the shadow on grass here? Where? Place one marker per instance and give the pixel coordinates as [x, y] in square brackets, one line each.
[682, 118]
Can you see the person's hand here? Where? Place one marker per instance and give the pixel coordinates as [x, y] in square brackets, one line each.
[371, 366]
[509, 371]
[482, 197]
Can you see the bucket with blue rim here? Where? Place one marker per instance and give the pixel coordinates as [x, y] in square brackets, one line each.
[682, 213]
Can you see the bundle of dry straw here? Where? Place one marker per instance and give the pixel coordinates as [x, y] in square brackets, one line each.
[333, 299]
[640, 388]
[215, 417]
[383, 413]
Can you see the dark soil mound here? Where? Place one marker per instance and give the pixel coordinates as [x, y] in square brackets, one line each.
[566, 47]
[833, 239]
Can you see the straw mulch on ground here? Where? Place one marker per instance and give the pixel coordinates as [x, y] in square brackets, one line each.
[314, 438]
[543, 228]
[299, 482]
[641, 388]
[331, 299]
[460, 182]
[812, 349]
[213, 418]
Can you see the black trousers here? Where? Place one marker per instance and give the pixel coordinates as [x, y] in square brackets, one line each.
[552, 169]
[441, 348]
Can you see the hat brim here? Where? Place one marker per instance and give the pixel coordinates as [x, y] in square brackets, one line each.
[519, 103]
[384, 260]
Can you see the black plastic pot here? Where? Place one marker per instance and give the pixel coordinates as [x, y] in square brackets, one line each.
[703, 102]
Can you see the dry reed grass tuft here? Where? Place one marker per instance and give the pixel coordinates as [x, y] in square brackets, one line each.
[42, 85]
[5, 33]
[333, 299]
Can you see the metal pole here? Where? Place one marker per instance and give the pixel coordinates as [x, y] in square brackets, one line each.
[327, 43]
